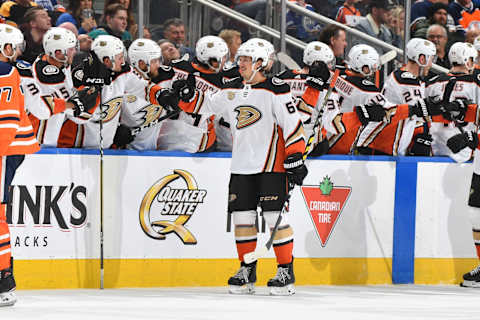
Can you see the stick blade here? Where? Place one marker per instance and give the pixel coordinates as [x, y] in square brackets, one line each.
[387, 57]
[255, 255]
[287, 61]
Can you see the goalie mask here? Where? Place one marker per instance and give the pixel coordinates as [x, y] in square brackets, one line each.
[12, 36]
[144, 50]
[364, 59]
[463, 54]
[210, 49]
[318, 51]
[59, 39]
[417, 47]
[106, 46]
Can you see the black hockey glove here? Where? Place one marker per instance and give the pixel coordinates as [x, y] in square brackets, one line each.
[295, 168]
[123, 136]
[185, 89]
[455, 110]
[318, 76]
[84, 100]
[370, 113]
[320, 149]
[168, 99]
[95, 72]
[422, 145]
[462, 140]
[425, 108]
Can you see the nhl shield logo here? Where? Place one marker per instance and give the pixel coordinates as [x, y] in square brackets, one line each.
[325, 203]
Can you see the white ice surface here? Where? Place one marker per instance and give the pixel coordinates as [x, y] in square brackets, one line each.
[322, 302]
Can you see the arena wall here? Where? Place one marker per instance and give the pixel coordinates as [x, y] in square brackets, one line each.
[357, 220]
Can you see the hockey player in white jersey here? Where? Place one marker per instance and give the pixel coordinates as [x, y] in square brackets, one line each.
[145, 57]
[405, 86]
[195, 132]
[460, 84]
[107, 67]
[268, 145]
[48, 87]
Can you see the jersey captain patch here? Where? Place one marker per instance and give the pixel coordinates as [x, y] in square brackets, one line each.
[246, 116]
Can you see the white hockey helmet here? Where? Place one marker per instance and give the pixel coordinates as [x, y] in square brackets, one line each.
[461, 52]
[107, 46]
[13, 36]
[253, 50]
[59, 39]
[417, 47]
[265, 44]
[144, 50]
[210, 48]
[318, 51]
[361, 56]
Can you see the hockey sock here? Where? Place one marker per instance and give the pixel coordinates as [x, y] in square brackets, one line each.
[5, 251]
[476, 239]
[283, 244]
[245, 239]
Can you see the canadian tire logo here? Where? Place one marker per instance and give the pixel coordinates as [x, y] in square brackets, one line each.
[169, 204]
[325, 203]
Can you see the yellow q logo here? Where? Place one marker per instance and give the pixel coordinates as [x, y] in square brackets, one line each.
[178, 202]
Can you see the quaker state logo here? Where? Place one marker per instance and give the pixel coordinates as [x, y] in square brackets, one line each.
[169, 204]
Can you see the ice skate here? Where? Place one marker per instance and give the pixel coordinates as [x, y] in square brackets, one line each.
[243, 282]
[472, 278]
[7, 288]
[283, 282]
[8, 298]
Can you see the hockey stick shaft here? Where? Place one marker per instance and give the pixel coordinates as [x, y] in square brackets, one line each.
[102, 270]
[262, 251]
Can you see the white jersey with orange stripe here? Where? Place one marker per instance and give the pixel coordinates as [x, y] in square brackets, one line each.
[467, 86]
[402, 87]
[265, 123]
[138, 112]
[48, 82]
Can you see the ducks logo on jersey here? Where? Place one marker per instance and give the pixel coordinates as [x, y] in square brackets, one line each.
[246, 116]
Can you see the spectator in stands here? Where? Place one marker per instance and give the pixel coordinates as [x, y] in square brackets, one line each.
[300, 26]
[347, 12]
[397, 16]
[233, 39]
[464, 12]
[14, 11]
[438, 35]
[116, 18]
[374, 25]
[85, 42]
[37, 22]
[336, 38]
[80, 13]
[53, 8]
[472, 32]
[437, 14]
[70, 26]
[169, 51]
[420, 9]
[132, 25]
[174, 31]
[254, 9]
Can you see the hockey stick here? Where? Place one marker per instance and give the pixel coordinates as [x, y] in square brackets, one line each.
[263, 250]
[287, 61]
[387, 57]
[102, 270]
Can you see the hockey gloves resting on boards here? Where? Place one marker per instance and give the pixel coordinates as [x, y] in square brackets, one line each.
[422, 145]
[123, 136]
[318, 76]
[462, 140]
[456, 110]
[295, 168]
[181, 90]
[371, 112]
[85, 100]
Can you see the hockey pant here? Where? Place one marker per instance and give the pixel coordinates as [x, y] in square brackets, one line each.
[8, 167]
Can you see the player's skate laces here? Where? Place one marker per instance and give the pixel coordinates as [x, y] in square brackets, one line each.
[472, 278]
[283, 282]
[244, 280]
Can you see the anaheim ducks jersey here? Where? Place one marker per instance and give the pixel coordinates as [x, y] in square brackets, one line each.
[266, 126]
[401, 87]
[354, 91]
[467, 86]
[47, 83]
[295, 80]
[137, 111]
[195, 132]
[87, 135]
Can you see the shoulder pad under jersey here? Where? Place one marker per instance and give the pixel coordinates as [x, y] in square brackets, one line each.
[164, 73]
[287, 74]
[405, 77]
[48, 73]
[24, 68]
[183, 65]
[362, 84]
[232, 83]
[275, 85]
